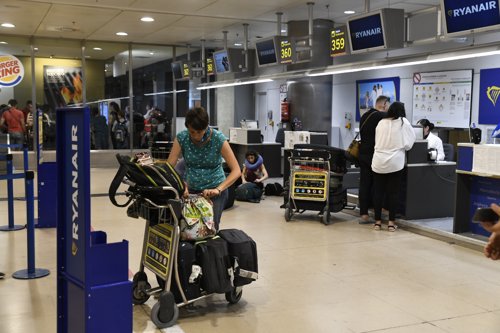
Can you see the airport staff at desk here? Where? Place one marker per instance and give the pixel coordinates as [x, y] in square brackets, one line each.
[433, 141]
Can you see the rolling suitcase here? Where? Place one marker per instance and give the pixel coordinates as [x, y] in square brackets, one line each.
[186, 258]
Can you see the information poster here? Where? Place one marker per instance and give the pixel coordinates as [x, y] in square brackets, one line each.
[444, 98]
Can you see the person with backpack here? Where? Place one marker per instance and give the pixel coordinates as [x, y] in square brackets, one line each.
[120, 131]
[203, 149]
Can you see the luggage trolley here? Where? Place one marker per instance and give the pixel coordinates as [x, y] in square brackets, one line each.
[159, 255]
[315, 183]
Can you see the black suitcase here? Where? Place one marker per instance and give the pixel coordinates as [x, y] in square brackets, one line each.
[243, 250]
[215, 264]
[186, 258]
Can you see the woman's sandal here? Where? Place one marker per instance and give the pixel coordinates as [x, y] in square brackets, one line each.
[392, 228]
[377, 226]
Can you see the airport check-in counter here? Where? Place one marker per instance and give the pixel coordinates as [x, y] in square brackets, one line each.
[478, 184]
[428, 188]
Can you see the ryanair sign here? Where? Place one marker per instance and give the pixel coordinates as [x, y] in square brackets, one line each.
[467, 15]
[11, 71]
[472, 9]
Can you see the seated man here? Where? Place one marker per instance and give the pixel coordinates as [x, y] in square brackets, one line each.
[254, 170]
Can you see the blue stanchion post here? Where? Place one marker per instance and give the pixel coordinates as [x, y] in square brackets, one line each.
[31, 272]
[10, 197]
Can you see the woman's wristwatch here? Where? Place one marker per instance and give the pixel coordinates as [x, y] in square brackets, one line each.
[218, 189]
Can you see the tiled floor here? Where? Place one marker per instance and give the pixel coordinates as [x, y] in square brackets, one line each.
[344, 277]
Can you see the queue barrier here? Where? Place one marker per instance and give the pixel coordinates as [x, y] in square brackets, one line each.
[31, 272]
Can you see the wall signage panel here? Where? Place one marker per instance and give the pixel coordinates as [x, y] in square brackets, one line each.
[444, 98]
[489, 93]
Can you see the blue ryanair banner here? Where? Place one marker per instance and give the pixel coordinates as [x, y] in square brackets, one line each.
[489, 93]
[464, 15]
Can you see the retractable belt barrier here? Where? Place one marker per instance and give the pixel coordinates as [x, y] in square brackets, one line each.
[31, 272]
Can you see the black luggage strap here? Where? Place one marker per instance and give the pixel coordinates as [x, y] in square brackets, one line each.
[115, 183]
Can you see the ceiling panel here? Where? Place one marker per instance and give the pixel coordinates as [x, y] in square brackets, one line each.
[26, 16]
[74, 22]
[204, 24]
[231, 8]
[172, 6]
[93, 3]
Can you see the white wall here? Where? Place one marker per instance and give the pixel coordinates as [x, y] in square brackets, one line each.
[225, 109]
[344, 90]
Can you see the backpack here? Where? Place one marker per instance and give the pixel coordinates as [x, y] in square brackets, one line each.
[121, 131]
[248, 192]
[274, 189]
[153, 176]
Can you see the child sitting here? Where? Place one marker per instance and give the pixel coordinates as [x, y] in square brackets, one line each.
[254, 170]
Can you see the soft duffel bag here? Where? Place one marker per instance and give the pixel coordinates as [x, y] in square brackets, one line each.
[243, 251]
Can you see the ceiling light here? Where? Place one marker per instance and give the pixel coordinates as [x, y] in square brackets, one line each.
[2, 42]
[121, 33]
[223, 84]
[147, 19]
[152, 53]
[97, 49]
[349, 12]
[8, 25]
[35, 48]
[238, 44]
[166, 92]
[283, 31]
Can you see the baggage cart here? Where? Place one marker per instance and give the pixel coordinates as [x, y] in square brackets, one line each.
[315, 181]
[159, 255]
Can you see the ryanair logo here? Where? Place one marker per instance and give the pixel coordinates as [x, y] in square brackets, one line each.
[493, 92]
[472, 9]
[368, 33]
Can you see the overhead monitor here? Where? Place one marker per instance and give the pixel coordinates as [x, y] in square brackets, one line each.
[222, 63]
[266, 51]
[177, 70]
[470, 15]
[338, 41]
[210, 66]
[186, 70]
[378, 30]
[287, 51]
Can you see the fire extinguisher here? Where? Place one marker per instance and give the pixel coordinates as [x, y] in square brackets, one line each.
[285, 111]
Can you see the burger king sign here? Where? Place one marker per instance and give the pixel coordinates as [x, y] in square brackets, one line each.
[11, 71]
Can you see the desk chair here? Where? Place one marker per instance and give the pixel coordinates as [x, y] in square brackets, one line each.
[449, 152]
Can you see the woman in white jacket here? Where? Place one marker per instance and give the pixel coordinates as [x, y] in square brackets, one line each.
[394, 135]
[433, 141]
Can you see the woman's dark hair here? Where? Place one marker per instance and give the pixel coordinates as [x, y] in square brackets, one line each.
[251, 153]
[426, 123]
[115, 106]
[197, 118]
[396, 110]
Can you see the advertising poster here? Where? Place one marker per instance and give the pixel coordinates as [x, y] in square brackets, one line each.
[444, 98]
[489, 91]
[62, 86]
[369, 90]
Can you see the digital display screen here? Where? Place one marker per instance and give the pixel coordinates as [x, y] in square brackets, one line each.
[221, 60]
[467, 15]
[286, 52]
[366, 32]
[338, 41]
[177, 70]
[186, 71]
[210, 66]
[266, 52]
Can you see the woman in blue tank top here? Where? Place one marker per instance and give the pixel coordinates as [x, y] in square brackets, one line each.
[203, 149]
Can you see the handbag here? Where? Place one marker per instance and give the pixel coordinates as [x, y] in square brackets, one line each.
[198, 219]
[353, 149]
